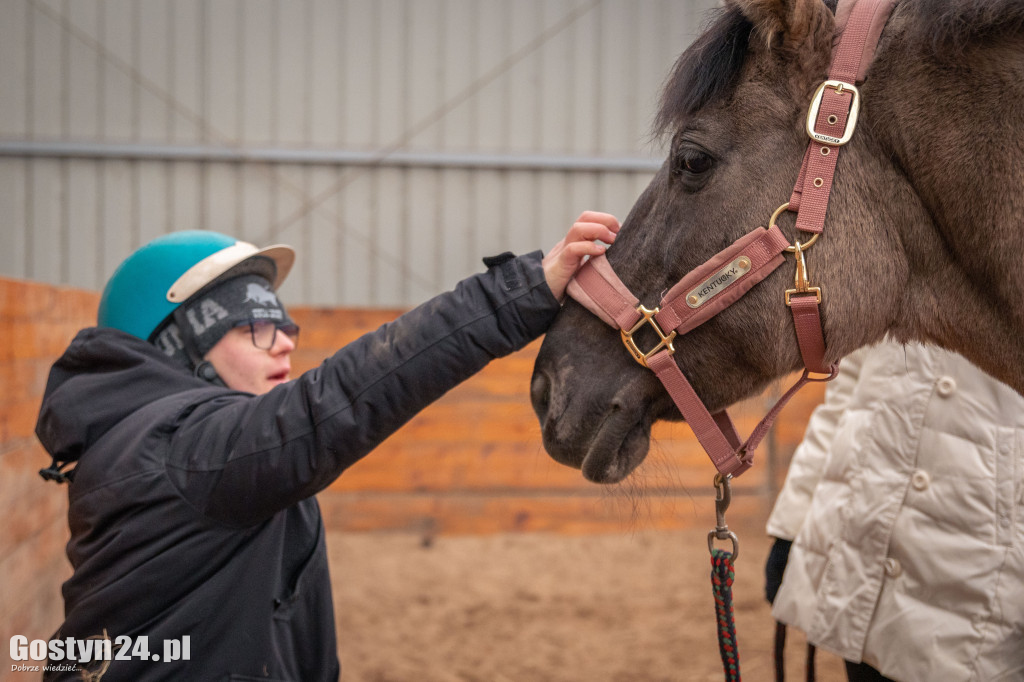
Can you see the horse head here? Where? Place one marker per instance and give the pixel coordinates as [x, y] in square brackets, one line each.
[894, 258]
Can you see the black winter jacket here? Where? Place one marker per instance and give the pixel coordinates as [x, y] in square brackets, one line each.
[192, 509]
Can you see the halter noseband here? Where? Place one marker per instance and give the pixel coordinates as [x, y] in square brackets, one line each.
[721, 281]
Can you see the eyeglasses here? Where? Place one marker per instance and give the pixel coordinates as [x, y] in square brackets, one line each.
[264, 332]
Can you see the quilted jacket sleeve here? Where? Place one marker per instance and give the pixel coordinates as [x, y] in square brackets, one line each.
[808, 461]
[240, 458]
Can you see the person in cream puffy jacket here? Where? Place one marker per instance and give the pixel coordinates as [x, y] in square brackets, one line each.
[904, 507]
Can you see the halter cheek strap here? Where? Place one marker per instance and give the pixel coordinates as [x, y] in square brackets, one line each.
[722, 280]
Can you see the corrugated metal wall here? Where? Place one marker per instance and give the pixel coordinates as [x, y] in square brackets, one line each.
[393, 142]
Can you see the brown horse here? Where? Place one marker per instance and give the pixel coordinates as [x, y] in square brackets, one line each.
[923, 239]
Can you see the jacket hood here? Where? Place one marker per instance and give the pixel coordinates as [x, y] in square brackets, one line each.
[103, 376]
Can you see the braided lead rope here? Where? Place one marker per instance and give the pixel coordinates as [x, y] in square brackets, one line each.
[722, 576]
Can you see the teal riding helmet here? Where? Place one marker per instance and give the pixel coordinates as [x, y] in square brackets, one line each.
[147, 287]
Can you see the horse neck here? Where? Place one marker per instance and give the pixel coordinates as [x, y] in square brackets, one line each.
[950, 124]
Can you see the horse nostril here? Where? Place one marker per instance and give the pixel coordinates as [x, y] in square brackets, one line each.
[540, 394]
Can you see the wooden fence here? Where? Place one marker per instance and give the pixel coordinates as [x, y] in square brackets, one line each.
[470, 463]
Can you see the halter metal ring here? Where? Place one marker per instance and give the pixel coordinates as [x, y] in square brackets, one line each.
[725, 534]
[791, 249]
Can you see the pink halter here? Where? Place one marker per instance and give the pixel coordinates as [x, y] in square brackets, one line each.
[722, 280]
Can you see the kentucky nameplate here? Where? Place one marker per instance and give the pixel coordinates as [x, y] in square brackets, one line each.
[718, 282]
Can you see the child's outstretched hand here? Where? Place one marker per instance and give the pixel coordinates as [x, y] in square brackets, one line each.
[566, 257]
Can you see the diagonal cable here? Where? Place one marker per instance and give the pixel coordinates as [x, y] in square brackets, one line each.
[439, 113]
[204, 126]
[316, 202]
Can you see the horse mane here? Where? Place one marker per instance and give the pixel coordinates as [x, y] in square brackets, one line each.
[709, 68]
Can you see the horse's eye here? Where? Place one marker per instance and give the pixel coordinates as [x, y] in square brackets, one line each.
[691, 162]
[696, 163]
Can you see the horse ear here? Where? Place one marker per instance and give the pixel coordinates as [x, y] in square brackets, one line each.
[795, 24]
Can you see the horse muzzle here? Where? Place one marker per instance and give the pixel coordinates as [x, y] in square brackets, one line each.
[606, 437]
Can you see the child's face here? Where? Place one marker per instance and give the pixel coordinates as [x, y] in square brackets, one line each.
[244, 367]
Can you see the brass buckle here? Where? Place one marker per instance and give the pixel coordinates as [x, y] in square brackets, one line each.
[801, 284]
[648, 318]
[851, 121]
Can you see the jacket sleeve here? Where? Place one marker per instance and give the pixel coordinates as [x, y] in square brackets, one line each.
[240, 458]
[808, 462]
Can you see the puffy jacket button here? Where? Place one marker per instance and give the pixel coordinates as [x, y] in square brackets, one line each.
[893, 568]
[946, 386]
[920, 480]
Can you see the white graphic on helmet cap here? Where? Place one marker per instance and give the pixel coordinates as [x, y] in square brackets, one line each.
[169, 340]
[205, 315]
[257, 293]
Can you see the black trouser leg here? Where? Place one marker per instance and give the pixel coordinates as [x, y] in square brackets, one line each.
[862, 672]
